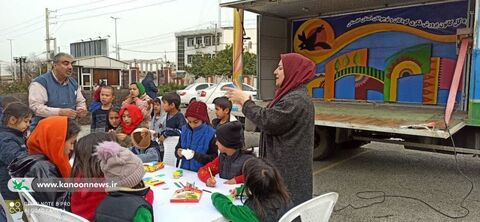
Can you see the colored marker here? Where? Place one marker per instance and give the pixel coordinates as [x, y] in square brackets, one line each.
[176, 184]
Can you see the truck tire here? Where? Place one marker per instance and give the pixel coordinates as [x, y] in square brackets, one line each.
[324, 142]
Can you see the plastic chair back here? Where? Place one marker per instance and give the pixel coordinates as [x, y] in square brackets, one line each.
[43, 213]
[26, 198]
[4, 207]
[318, 209]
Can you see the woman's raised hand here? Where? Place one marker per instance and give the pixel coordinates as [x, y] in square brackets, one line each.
[236, 95]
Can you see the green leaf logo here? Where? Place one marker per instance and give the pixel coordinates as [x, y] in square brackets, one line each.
[19, 185]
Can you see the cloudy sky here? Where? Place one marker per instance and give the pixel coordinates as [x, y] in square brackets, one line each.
[143, 25]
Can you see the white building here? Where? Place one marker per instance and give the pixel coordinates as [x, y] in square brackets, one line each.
[208, 43]
[5, 75]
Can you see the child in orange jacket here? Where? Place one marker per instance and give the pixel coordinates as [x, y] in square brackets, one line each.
[230, 162]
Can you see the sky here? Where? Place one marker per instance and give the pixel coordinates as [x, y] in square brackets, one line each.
[143, 25]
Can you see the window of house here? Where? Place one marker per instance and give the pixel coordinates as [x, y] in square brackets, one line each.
[199, 40]
[189, 59]
[208, 40]
[190, 42]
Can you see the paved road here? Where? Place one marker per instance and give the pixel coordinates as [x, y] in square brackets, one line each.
[430, 177]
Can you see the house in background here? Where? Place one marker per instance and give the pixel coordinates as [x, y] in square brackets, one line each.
[208, 42]
[91, 70]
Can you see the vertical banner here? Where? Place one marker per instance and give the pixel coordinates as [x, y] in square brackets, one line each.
[452, 95]
[237, 47]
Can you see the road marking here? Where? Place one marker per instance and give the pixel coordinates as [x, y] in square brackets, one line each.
[339, 162]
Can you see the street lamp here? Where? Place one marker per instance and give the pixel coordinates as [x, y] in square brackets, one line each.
[20, 60]
[117, 52]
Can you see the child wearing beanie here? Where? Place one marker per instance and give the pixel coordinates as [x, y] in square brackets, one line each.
[230, 162]
[127, 201]
[196, 146]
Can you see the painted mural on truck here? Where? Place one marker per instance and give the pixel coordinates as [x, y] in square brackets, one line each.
[404, 55]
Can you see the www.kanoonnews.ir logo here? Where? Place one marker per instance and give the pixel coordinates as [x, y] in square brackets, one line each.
[60, 184]
[19, 184]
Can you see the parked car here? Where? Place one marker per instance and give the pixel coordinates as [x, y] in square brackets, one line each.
[209, 94]
[190, 92]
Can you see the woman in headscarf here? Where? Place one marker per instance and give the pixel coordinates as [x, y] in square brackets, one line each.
[286, 124]
[149, 84]
[49, 149]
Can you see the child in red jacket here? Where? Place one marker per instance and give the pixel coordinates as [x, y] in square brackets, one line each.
[86, 165]
[230, 162]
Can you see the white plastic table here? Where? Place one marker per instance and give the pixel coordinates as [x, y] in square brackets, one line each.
[201, 211]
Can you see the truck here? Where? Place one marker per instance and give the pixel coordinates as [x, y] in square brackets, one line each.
[401, 72]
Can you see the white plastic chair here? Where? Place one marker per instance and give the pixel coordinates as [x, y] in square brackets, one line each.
[3, 205]
[169, 145]
[317, 209]
[26, 198]
[43, 213]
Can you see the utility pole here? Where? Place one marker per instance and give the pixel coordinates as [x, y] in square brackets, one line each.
[117, 50]
[219, 14]
[55, 46]
[47, 31]
[11, 60]
[216, 43]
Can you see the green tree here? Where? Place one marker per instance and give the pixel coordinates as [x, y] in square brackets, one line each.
[249, 63]
[199, 66]
[221, 64]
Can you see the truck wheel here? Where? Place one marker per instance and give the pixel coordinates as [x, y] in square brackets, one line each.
[324, 142]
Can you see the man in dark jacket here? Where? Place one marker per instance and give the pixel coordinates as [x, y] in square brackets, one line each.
[149, 84]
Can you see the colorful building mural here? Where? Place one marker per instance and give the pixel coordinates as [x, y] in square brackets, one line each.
[404, 55]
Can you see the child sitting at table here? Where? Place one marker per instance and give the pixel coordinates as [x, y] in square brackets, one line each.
[130, 199]
[144, 147]
[130, 118]
[196, 146]
[231, 159]
[267, 196]
[83, 201]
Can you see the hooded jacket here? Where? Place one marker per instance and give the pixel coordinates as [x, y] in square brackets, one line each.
[12, 145]
[46, 159]
[39, 166]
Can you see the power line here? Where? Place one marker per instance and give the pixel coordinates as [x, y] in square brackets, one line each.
[109, 13]
[95, 8]
[34, 30]
[79, 5]
[146, 43]
[19, 28]
[168, 33]
[21, 23]
[140, 51]
[135, 41]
